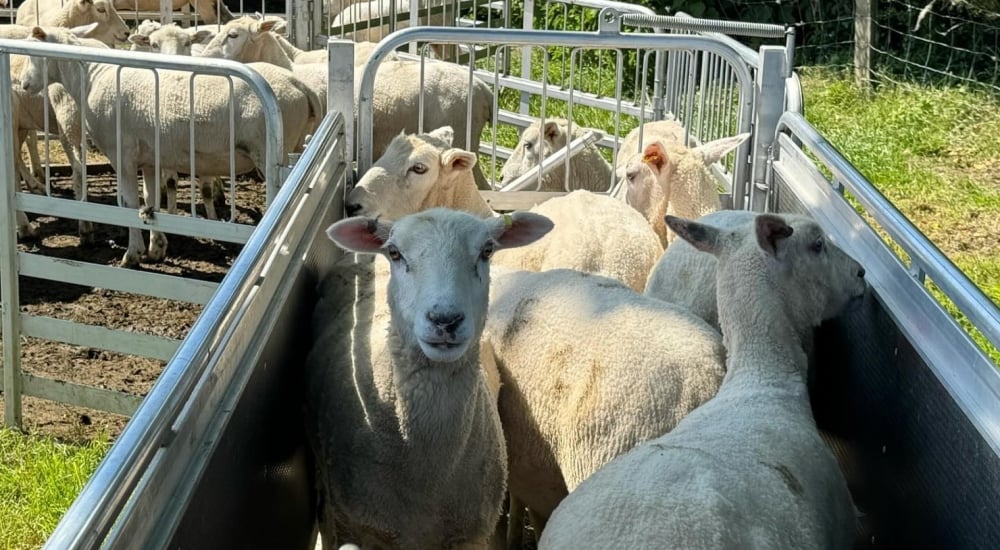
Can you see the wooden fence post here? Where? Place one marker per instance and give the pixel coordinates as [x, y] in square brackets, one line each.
[862, 43]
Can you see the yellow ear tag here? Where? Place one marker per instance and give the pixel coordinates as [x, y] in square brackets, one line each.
[508, 221]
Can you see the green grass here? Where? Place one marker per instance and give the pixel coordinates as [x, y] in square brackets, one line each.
[39, 478]
[935, 153]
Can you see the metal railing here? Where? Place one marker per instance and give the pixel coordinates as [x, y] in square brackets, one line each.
[15, 264]
[967, 373]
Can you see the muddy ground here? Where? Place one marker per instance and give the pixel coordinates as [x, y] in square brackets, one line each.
[195, 258]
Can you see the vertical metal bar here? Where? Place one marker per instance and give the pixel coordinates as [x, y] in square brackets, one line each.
[9, 298]
[232, 151]
[469, 99]
[192, 178]
[340, 92]
[769, 89]
[420, 94]
[529, 21]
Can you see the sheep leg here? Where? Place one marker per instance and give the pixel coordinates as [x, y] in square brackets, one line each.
[171, 189]
[73, 153]
[25, 229]
[130, 199]
[157, 240]
[208, 193]
[36, 162]
[28, 176]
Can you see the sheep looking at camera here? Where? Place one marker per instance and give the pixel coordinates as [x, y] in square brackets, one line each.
[588, 169]
[668, 177]
[578, 389]
[408, 444]
[594, 233]
[747, 469]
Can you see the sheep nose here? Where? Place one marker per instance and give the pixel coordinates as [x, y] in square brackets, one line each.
[447, 322]
[861, 272]
[353, 209]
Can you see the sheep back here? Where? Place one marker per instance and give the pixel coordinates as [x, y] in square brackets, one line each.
[595, 234]
[575, 393]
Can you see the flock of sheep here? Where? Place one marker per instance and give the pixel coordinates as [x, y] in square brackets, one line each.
[627, 375]
[622, 394]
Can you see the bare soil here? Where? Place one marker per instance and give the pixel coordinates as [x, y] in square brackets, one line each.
[190, 257]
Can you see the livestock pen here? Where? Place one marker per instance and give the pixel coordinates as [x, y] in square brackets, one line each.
[215, 455]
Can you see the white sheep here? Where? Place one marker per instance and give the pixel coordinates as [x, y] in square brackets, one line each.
[669, 177]
[249, 38]
[686, 276]
[589, 368]
[298, 109]
[594, 233]
[174, 40]
[747, 469]
[588, 169]
[206, 9]
[408, 445]
[74, 13]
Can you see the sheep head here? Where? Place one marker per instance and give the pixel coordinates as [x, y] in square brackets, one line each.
[111, 29]
[814, 279]
[537, 142]
[439, 279]
[417, 171]
[237, 35]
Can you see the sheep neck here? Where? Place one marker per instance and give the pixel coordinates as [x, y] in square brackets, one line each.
[435, 402]
[269, 49]
[290, 50]
[763, 346]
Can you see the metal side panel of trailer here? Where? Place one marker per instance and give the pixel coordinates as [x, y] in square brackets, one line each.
[215, 457]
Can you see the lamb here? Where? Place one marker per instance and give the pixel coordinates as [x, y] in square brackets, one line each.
[748, 468]
[669, 177]
[74, 13]
[686, 277]
[249, 38]
[298, 107]
[588, 169]
[595, 233]
[408, 444]
[209, 11]
[580, 387]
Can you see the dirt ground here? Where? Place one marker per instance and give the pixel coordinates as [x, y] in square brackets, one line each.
[190, 257]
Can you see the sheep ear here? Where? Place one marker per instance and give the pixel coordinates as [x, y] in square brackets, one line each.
[38, 33]
[264, 26]
[458, 159]
[359, 234]
[715, 150]
[520, 228]
[701, 236]
[655, 156]
[139, 40]
[83, 31]
[444, 133]
[551, 130]
[203, 36]
[770, 230]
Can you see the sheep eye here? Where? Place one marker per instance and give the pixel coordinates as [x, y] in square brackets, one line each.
[393, 253]
[418, 168]
[528, 146]
[154, 46]
[817, 245]
[101, 10]
[233, 34]
[487, 252]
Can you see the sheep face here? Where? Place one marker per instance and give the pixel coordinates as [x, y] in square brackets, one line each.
[237, 35]
[33, 73]
[535, 145]
[817, 279]
[647, 177]
[169, 39]
[412, 167]
[110, 29]
[439, 281]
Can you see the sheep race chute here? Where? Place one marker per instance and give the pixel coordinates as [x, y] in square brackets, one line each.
[230, 447]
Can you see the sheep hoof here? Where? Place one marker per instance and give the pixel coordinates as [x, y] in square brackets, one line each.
[130, 260]
[86, 232]
[28, 233]
[157, 248]
[146, 213]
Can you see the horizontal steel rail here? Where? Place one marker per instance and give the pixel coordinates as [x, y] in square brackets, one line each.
[517, 37]
[962, 368]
